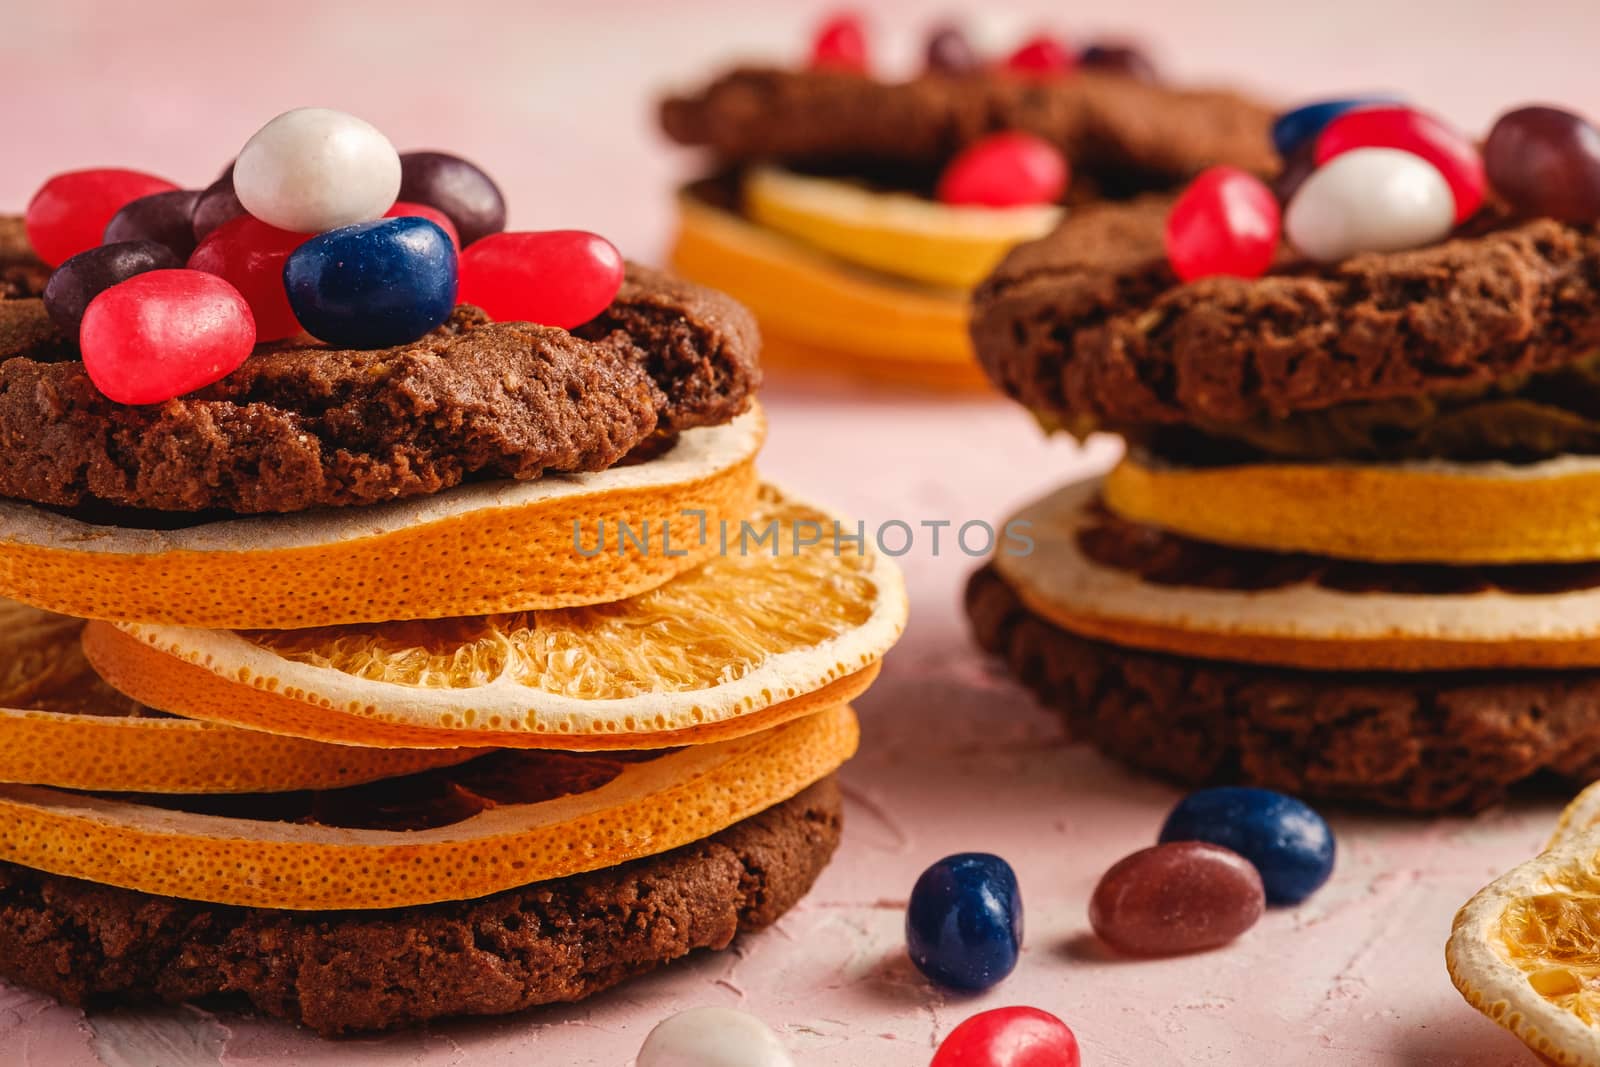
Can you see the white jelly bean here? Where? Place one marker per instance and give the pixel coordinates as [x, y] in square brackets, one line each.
[1370, 200]
[315, 169]
[713, 1037]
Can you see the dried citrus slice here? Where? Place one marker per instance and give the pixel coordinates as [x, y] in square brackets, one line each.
[1131, 585]
[1428, 511]
[900, 234]
[1579, 817]
[770, 628]
[510, 819]
[496, 546]
[61, 725]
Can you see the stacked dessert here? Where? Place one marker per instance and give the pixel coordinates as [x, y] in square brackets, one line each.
[1352, 549]
[854, 214]
[442, 657]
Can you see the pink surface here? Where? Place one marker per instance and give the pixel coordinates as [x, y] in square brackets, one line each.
[552, 99]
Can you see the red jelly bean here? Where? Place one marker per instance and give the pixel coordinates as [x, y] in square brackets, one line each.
[554, 278]
[1042, 56]
[251, 255]
[1009, 1037]
[1226, 222]
[1420, 134]
[840, 44]
[165, 333]
[1006, 170]
[1179, 897]
[69, 213]
[405, 209]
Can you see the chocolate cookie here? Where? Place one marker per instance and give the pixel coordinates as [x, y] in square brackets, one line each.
[1102, 122]
[338, 972]
[1414, 742]
[21, 273]
[302, 425]
[1090, 328]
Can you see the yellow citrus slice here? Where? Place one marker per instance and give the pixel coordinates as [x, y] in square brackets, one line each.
[1427, 511]
[507, 820]
[1300, 623]
[496, 546]
[783, 619]
[900, 234]
[61, 725]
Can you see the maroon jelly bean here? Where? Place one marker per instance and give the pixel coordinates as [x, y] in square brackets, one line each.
[1116, 57]
[161, 217]
[1174, 898]
[951, 52]
[217, 204]
[1546, 161]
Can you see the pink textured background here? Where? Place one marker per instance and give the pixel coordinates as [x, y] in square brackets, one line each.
[553, 99]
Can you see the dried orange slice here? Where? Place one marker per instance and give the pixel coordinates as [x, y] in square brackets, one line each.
[61, 725]
[497, 546]
[510, 819]
[770, 628]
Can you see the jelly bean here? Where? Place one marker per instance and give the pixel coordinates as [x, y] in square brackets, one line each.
[374, 284]
[951, 52]
[1370, 200]
[712, 1037]
[69, 213]
[1290, 844]
[1041, 56]
[165, 333]
[162, 217]
[1545, 161]
[1225, 222]
[88, 274]
[840, 44]
[1009, 1037]
[1411, 131]
[251, 256]
[1006, 170]
[555, 278]
[1117, 58]
[1179, 897]
[1296, 169]
[218, 203]
[314, 169]
[456, 187]
[964, 921]
[1304, 124]
[406, 210]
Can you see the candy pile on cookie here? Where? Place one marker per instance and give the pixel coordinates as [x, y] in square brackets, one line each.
[378, 653]
[1353, 550]
[854, 212]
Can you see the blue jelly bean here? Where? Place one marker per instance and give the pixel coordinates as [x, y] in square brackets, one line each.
[1295, 128]
[373, 284]
[1290, 844]
[964, 921]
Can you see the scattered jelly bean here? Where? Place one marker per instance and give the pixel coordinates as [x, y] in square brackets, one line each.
[1370, 200]
[1226, 222]
[1303, 125]
[162, 217]
[251, 256]
[218, 203]
[1545, 161]
[1179, 897]
[1296, 169]
[950, 51]
[964, 921]
[1114, 57]
[554, 278]
[1289, 843]
[841, 44]
[88, 274]
[164, 333]
[1006, 170]
[69, 213]
[713, 1037]
[314, 169]
[456, 187]
[1041, 56]
[1009, 1037]
[1420, 134]
[373, 284]
[406, 210]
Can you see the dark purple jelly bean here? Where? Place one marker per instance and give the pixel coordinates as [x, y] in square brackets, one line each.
[457, 188]
[88, 274]
[217, 204]
[1174, 898]
[166, 218]
[951, 52]
[1118, 58]
[1545, 161]
[1296, 169]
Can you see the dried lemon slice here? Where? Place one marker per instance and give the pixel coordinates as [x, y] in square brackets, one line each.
[771, 628]
[510, 819]
[61, 725]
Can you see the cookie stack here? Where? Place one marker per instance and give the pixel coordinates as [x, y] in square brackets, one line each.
[446, 678]
[1352, 550]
